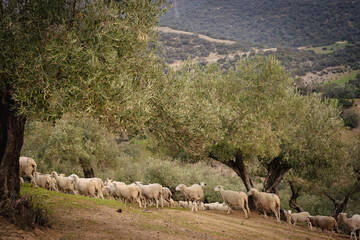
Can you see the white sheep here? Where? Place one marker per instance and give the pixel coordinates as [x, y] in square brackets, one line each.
[64, 184]
[53, 183]
[42, 180]
[323, 222]
[106, 192]
[233, 199]
[296, 217]
[28, 167]
[267, 201]
[153, 192]
[216, 206]
[87, 186]
[169, 203]
[194, 194]
[185, 204]
[166, 194]
[352, 223]
[127, 193]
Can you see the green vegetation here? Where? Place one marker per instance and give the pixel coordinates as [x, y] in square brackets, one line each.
[345, 79]
[328, 48]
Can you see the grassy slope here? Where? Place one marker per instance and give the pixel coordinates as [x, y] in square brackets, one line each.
[329, 48]
[76, 217]
[346, 78]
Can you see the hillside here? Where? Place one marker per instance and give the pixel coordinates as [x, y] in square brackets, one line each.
[274, 23]
[75, 217]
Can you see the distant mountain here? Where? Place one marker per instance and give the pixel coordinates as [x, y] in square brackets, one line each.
[270, 22]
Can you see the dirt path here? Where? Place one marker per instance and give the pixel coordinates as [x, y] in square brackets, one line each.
[210, 39]
[102, 222]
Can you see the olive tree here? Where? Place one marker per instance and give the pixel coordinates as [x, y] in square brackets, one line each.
[58, 56]
[247, 116]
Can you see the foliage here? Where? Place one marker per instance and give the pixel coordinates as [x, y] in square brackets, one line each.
[70, 144]
[251, 107]
[92, 57]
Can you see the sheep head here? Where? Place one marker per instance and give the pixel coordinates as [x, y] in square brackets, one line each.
[180, 187]
[341, 216]
[252, 191]
[218, 188]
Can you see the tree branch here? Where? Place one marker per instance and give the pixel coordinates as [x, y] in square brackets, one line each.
[331, 198]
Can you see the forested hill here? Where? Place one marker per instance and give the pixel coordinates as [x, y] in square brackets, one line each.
[276, 22]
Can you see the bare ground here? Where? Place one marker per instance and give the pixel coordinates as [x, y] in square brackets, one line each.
[103, 222]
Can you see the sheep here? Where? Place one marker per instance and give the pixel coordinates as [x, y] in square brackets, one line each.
[87, 186]
[53, 184]
[352, 223]
[42, 180]
[169, 203]
[193, 194]
[129, 193]
[323, 222]
[233, 198]
[152, 192]
[65, 184]
[28, 167]
[216, 206]
[267, 201]
[296, 217]
[166, 194]
[106, 192]
[185, 204]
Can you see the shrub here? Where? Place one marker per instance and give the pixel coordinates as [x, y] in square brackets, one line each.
[350, 118]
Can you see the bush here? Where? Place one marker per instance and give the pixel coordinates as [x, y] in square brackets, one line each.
[350, 118]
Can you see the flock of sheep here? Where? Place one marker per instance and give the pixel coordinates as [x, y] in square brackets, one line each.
[156, 194]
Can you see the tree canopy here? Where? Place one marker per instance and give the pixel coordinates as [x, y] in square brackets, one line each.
[249, 115]
[58, 56]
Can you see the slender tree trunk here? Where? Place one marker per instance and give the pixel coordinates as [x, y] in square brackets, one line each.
[295, 193]
[276, 171]
[11, 141]
[88, 172]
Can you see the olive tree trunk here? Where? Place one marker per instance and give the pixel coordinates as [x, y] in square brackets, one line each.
[276, 171]
[295, 194]
[11, 141]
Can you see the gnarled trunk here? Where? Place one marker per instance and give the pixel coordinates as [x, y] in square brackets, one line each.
[295, 193]
[11, 141]
[276, 171]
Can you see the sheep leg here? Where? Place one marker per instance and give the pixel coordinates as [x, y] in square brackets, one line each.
[276, 216]
[265, 216]
[245, 211]
[138, 200]
[229, 209]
